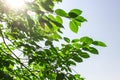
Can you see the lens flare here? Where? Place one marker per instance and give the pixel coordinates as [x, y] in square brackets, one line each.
[15, 3]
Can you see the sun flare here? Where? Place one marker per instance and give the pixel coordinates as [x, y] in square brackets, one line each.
[15, 3]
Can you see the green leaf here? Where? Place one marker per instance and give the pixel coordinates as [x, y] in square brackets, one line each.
[61, 12]
[99, 43]
[51, 17]
[77, 45]
[86, 40]
[75, 40]
[77, 22]
[84, 54]
[48, 43]
[59, 19]
[73, 26]
[80, 19]
[67, 39]
[91, 50]
[77, 58]
[71, 63]
[60, 76]
[74, 13]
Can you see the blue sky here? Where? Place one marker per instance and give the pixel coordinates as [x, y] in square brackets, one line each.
[103, 24]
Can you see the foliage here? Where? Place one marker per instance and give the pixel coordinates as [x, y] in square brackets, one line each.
[31, 31]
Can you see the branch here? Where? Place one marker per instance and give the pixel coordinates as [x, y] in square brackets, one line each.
[14, 54]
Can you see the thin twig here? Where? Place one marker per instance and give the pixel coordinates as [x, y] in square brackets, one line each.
[15, 54]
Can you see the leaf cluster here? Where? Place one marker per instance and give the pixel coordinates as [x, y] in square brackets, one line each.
[31, 32]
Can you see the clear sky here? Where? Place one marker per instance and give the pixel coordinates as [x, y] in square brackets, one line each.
[103, 24]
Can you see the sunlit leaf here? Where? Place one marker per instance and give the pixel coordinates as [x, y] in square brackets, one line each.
[73, 26]
[86, 39]
[61, 12]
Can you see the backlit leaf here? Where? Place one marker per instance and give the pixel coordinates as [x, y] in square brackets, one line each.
[61, 12]
[73, 26]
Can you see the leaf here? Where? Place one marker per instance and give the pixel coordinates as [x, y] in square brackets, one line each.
[91, 50]
[59, 19]
[73, 26]
[47, 43]
[74, 13]
[99, 43]
[71, 63]
[60, 76]
[61, 12]
[67, 39]
[77, 58]
[86, 40]
[84, 54]
[80, 19]
[46, 7]
[51, 17]
[77, 22]
[77, 45]
[30, 21]
[75, 40]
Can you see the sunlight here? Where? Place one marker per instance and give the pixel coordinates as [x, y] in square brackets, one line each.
[15, 3]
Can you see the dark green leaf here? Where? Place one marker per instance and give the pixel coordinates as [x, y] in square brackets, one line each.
[84, 54]
[91, 49]
[99, 43]
[46, 7]
[48, 43]
[74, 13]
[61, 12]
[80, 19]
[73, 26]
[60, 76]
[77, 58]
[67, 39]
[71, 63]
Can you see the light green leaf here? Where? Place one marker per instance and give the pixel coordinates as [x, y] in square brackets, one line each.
[86, 40]
[61, 12]
[75, 40]
[73, 26]
[59, 19]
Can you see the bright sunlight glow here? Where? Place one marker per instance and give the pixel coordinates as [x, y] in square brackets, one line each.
[15, 3]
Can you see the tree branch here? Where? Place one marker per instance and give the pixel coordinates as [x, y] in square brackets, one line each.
[18, 59]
